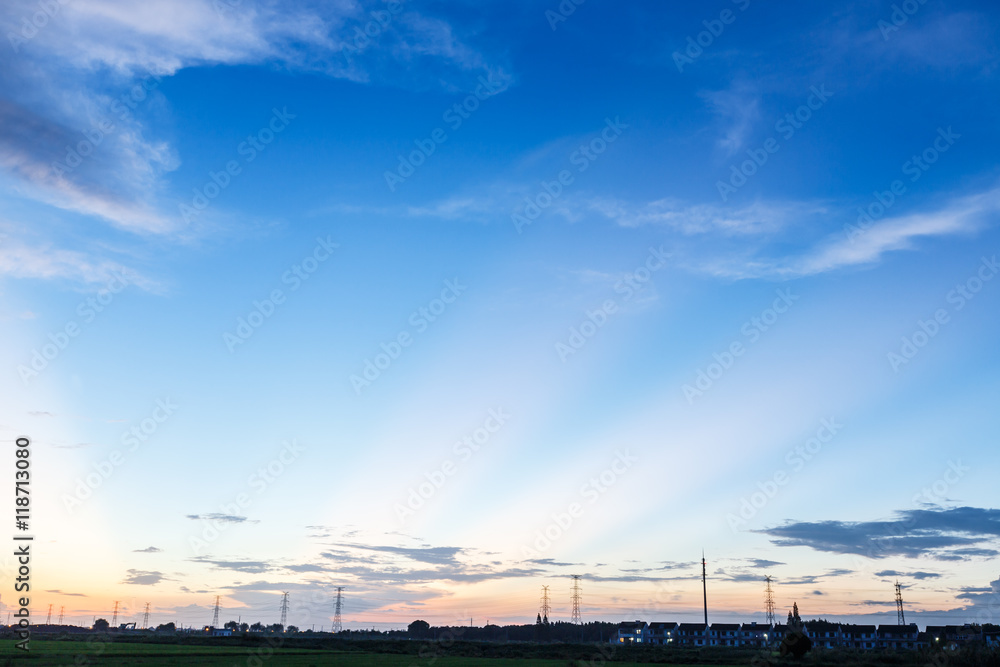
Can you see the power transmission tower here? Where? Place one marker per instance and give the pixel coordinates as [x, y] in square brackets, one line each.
[576, 600]
[704, 587]
[48, 619]
[145, 618]
[215, 617]
[899, 604]
[284, 609]
[114, 617]
[338, 624]
[769, 601]
[546, 608]
[61, 610]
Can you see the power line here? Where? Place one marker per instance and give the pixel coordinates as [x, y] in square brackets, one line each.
[769, 601]
[576, 600]
[338, 624]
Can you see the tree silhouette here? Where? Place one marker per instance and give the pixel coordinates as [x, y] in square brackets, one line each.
[101, 625]
[796, 642]
[418, 628]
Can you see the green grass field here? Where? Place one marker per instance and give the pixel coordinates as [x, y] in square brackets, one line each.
[53, 653]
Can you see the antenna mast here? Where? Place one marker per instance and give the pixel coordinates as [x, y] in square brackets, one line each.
[899, 604]
[704, 587]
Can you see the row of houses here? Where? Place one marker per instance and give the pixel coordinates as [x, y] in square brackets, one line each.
[822, 634]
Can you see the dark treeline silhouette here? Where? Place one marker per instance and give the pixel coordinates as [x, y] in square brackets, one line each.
[570, 633]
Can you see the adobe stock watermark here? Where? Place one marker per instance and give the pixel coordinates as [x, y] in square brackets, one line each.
[915, 167]
[363, 36]
[32, 24]
[59, 340]
[899, 17]
[714, 28]
[454, 117]
[581, 158]
[420, 320]
[592, 491]
[796, 459]
[123, 106]
[132, 439]
[752, 329]
[563, 11]
[595, 319]
[250, 148]
[264, 309]
[213, 525]
[927, 329]
[786, 126]
[464, 449]
[224, 7]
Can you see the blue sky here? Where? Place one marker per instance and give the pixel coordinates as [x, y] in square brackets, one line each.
[288, 306]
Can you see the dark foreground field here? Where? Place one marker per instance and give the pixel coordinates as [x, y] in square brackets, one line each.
[241, 652]
[45, 653]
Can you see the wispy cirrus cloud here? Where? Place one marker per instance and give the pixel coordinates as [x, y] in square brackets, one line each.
[909, 575]
[65, 143]
[58, 592]
[763, 226]
[756, 219]
[962, 215]
[738, 110]
[41, 260]
[221, 518]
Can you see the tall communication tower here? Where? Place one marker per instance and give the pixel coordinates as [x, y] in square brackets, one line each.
[338, 623]
[145, 618]
[899, 604]
[284, 609]
[61, 610]
[704, 587]
[48, 619]
[769, 601]
[546, 607]
[215, 616]
[576, 600]
[114, 617]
